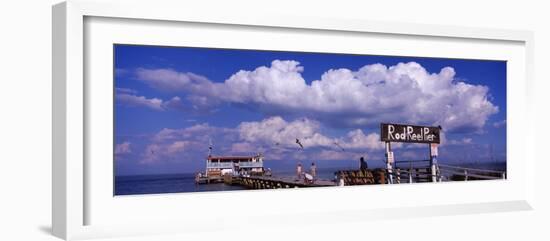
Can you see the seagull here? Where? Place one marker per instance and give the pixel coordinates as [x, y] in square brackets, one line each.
[209, 146]
[338, 145]
[299, 143]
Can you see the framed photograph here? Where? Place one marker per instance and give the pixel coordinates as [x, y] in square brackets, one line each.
[196, 120]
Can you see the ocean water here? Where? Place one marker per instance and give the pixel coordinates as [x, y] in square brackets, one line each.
[165, 183]
[178, 183]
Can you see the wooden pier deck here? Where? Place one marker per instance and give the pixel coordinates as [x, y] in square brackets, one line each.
[362, 177]
[265, 182]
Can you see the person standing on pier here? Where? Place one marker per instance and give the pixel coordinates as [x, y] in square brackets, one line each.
[299, 171]
[313, 170]
[197, 178]
[363, 164]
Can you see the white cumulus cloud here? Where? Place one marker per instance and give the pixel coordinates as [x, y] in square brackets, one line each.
[375, 93]
[276, 131]
[123, 148]
[129, 97]
[273, 136]
[134, 101]
[157, 152]
[499, 124]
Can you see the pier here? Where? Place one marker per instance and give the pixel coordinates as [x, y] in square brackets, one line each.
[411, 173]
[363, 176]
[249, 172]
[266, 182]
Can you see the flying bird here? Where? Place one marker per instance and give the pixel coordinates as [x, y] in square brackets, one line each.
[209, 146]
[299, 143]
[338, 145]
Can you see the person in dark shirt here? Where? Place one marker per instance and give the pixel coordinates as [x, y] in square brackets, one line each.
[364, 164]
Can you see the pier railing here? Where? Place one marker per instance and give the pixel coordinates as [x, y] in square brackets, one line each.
[411, 175]
[231, 164]
[219, 165]
[464, 173]
[251, 164]
[414, 172]
[443, 172]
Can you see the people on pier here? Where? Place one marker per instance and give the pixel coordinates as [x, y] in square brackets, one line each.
[340, 180]
[363, 164]
[198, 177]
[299, 171]
[313, 170]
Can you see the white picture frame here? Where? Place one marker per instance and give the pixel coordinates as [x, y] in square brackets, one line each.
[74, 188]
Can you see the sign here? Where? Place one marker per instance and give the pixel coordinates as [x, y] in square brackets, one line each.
[409, 133]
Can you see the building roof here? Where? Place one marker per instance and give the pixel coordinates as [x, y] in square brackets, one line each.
[230, 157]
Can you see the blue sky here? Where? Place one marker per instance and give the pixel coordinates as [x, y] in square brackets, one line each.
[171, 101]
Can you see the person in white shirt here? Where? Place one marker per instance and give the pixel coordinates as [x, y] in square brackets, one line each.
[299, 171]
[313, 171]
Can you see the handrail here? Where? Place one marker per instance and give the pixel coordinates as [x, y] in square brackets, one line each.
[472, 175]
[405, 171]
[472, 169]
[400, 172]
[412, 161]
[416, 174]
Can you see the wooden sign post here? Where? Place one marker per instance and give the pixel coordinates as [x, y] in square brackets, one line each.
[411, 134]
